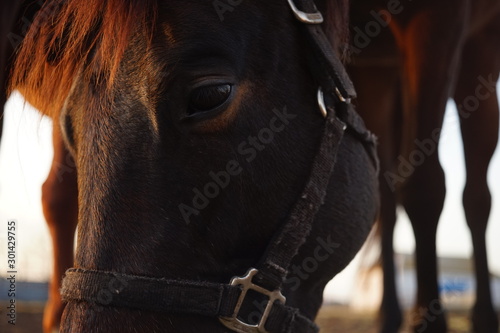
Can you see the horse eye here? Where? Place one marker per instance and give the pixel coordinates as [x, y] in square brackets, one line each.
[208, 98]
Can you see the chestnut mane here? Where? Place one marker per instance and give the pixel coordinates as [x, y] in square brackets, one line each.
[67, 34]
[64, 35]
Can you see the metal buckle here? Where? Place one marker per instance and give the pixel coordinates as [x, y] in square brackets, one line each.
[233, 323]
[321, 103]
[343, 99]
[309, 18]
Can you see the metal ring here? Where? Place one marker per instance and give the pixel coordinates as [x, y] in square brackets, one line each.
[321, 103]
[246, 284]
[309, 18]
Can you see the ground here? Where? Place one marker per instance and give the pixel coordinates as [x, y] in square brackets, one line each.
[335, 319]
[332, 319]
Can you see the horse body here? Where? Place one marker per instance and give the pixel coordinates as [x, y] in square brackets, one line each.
[59, 194]
[193, 137]
[8, 14]
[429, 52]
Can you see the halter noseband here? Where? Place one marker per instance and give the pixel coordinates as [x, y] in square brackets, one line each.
[225, 300]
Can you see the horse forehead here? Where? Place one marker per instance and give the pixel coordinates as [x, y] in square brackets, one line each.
[200, 40]
[198, 20]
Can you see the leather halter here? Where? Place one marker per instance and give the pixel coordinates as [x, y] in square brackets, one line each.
[225, 301]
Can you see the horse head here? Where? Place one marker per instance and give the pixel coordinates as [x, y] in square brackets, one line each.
[194, 126]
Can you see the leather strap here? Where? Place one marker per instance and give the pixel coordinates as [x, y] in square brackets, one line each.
[150, 294]
[171, 296]
[273, 267]
[332, 76]
[325, 63]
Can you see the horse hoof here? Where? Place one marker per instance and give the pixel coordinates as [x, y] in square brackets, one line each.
[430, 321]
[391, 326]
[391, 323]
[484, 320]
[437, 326]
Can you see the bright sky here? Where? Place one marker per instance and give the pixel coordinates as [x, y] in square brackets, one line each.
[26, 152]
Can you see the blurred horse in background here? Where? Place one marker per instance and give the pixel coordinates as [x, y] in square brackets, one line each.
[59, 191]
[409, 58]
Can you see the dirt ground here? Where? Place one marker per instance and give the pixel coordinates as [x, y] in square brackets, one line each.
[335, 319]
[332, 319]
[28, 318]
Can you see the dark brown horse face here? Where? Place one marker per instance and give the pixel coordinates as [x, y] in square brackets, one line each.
[201, 153]
[208, 139]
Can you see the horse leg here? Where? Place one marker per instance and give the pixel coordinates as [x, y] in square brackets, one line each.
[430, 43]
[3, 100]
[59, 199]
[478, 108]
[390, 312]
[379, 118]
[423, 201]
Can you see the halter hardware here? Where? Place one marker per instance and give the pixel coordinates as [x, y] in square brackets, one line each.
[341, 97]
[309, 18]
[321, 103]
[233, 323]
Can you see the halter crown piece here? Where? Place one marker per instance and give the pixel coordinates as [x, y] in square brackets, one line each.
[225, 301]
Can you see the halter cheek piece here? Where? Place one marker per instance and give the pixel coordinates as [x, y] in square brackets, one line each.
[225, 301]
